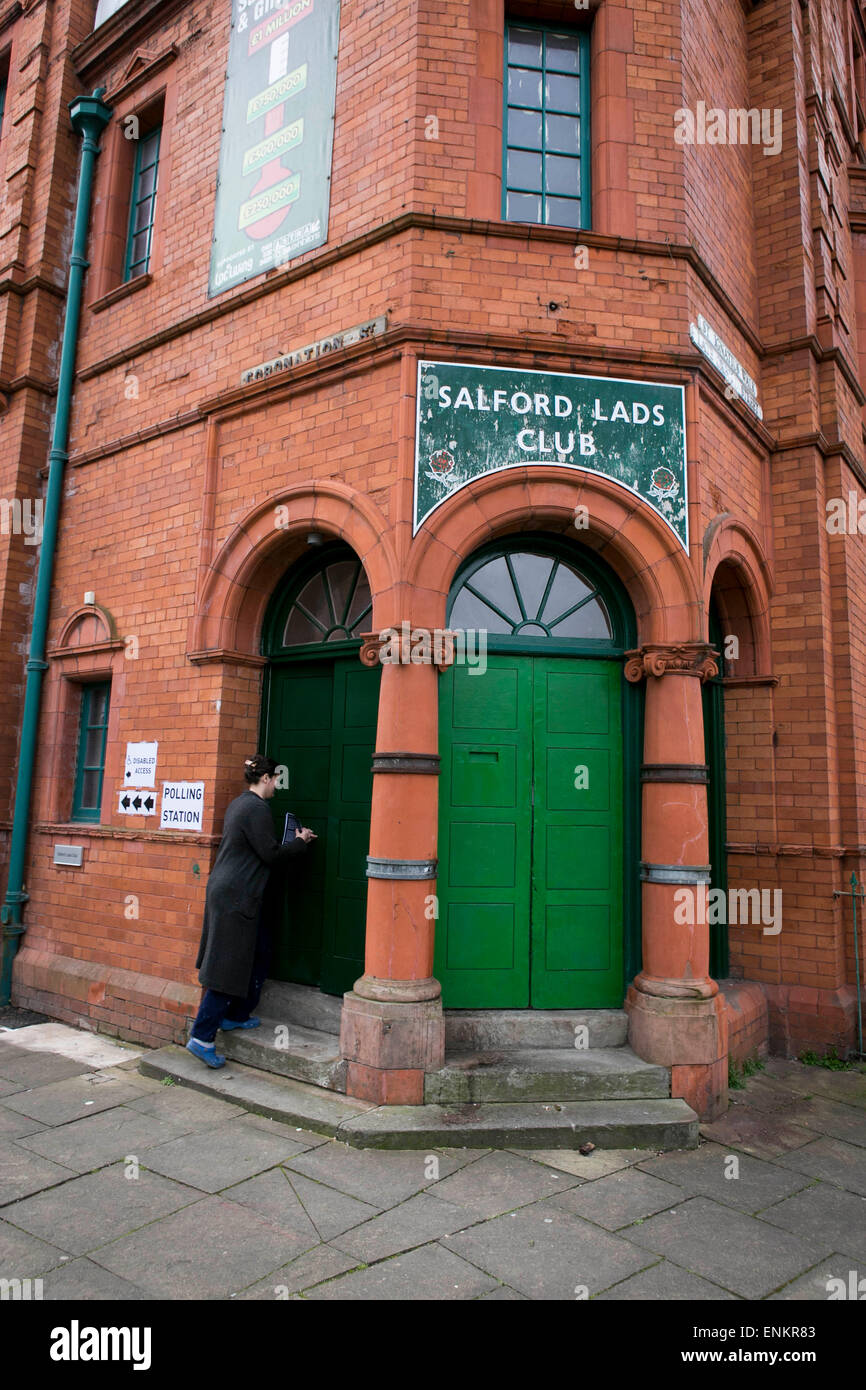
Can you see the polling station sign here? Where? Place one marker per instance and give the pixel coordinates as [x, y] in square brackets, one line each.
[473, 420]
[274, 184]
[182, 806]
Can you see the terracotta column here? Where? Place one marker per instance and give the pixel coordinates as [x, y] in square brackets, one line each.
[676, 1014]
[392, 1027]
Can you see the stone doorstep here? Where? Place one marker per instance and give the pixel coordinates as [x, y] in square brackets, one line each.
[547, 1074]
[611, 1124]
[307, 1054]
[485, 1030]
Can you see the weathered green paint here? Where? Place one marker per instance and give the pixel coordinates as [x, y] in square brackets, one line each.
[474, 420]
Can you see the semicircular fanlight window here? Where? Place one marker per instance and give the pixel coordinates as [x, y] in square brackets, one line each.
[331, 607]
[529, 594]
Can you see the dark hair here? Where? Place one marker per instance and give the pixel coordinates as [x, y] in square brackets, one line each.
[258, 767]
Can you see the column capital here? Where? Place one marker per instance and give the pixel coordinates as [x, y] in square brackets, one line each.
[678, 658]
[405, 645]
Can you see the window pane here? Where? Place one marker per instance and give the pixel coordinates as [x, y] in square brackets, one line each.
[524, 87]
[90, 788]
[494, 582]
[591, 621]
[561, 93]
[315, 600]
[341, 578]
[469, 611]
[139, 249]
[150, 148]
[146, 180]
[361, 603]
[299, 629]
[562, 175]
[523, 207]
[562, 212]
[524, 128]
[532, 573]
[141, 220]
[562, 134]
[93, 748]
[524, 169]
[98, 706]
[524, 46]
[563, 52]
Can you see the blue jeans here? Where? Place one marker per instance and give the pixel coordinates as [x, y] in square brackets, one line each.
[215, 1006]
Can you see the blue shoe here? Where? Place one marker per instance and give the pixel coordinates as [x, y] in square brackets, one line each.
[206, 1053]
[229, 1023]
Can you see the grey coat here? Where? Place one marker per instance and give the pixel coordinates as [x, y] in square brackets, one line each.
[248, 850]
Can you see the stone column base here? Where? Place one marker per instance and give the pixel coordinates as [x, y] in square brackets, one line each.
[389, 1046]
[691, 1037]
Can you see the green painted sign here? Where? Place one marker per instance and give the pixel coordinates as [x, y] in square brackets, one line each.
[273, 192]
[474, 420]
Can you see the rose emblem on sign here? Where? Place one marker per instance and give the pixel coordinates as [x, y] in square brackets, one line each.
[442, 463]
[663, 483]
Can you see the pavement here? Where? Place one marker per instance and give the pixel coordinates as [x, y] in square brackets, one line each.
[117, 1186]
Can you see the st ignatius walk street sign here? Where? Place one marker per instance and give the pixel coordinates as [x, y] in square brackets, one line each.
[474, 420]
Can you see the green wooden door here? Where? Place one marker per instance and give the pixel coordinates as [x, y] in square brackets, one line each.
[531, 835]
[321, 722]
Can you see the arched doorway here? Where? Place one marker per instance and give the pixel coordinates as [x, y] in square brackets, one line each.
[319, 721]
[539, 815]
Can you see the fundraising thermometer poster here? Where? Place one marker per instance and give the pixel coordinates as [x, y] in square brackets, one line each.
[273, 191]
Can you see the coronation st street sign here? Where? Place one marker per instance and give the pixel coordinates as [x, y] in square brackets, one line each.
[474, 420]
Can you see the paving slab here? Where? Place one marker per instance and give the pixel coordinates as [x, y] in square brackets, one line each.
[763, 1133]
[22, 1255]
[759, 1184]
[429, 1273]
[502, 1294]
[816, 1286]
[381, 1178]
[330, 1211]
[619, 1199]
[544, 1252]
[22, 1172]
[9, 1088]
[75, 1043]
[415, 1222]
[273, 1197]
[849, 1087]
[13, 1125]
[100, 1139]
[665, 1283]
[37, 1068]
[835, 1119]
[313, 1267]
[588, 1166]
[500, 1182]
[209, 1250]
[214, 1158]
[58, 1102]
[83, 1280]
[182, 1103]
[92, 1210]
[832, 1160]
[823, 1212]
[743, 1254]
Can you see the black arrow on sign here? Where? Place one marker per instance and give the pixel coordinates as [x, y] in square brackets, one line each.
[148, 805]
[125, 803]
[137, 803]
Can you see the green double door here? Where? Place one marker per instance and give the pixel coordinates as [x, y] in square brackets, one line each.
[321, 723]
[531, 835]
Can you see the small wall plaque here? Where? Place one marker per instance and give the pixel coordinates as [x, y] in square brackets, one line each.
[69, 854]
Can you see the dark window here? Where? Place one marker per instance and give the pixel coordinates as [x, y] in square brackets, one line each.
[90, 758]
[331, 607]
[524, 594]
[546, 174]
[144, 183]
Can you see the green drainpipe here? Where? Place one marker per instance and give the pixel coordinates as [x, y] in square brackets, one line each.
[89, 117]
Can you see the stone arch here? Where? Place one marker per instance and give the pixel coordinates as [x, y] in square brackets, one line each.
[89, 626]
[623, 531]
[737, 578]
[235, 588]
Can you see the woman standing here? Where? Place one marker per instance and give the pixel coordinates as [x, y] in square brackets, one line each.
[235, 943]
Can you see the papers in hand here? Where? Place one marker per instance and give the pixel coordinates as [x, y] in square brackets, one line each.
[292, 824]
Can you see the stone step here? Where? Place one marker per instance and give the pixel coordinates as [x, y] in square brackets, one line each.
[304, 1005]
[287, 1049]
[491, 1030]
[611, 1124]
[546, 1074]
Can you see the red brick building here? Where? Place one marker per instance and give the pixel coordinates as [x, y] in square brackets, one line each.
[650, 220]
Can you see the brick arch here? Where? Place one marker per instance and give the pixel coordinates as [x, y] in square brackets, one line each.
[626, 533]
[86, 627]
[737, 577]
[235, 588]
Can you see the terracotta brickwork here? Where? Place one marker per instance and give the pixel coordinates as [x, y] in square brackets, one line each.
[177, 472]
